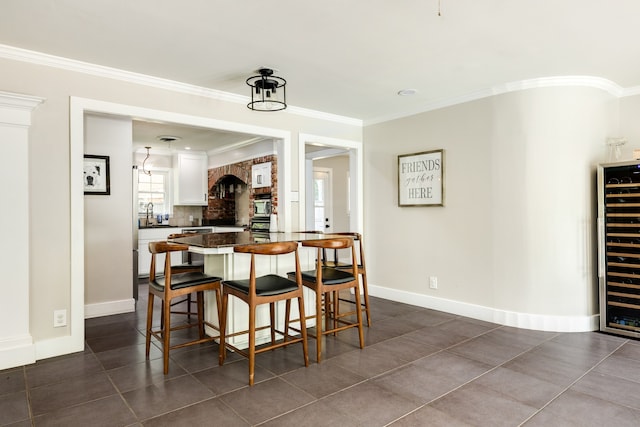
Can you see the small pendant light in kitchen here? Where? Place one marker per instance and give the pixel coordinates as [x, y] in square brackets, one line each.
[144, 170]
[268, 92]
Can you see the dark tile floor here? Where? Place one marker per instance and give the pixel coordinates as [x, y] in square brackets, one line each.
[420, 367]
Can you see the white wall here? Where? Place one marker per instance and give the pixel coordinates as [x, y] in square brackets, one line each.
[629, 125]
[108, 221]
[514, 242]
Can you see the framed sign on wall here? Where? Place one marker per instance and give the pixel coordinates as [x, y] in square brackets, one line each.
[421, 179]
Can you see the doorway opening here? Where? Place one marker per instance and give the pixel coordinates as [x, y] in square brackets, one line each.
[80, 108]
[331, 197]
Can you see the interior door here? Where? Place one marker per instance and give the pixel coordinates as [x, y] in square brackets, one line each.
[322, 206]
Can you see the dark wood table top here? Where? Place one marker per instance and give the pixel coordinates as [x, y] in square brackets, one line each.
[221, 243]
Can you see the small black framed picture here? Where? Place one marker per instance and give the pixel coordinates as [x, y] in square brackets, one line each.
[95, 175]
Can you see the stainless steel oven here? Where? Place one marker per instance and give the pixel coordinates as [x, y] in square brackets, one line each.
[190, 256]
[262, 207]
[260, 224]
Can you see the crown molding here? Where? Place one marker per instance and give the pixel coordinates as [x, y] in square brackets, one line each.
[23, 102]
[38, 58]
[15, 109]
[631, 91]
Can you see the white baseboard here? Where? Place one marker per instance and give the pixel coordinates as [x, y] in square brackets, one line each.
[59, 346]
[17, 351]
[539, 322]
[109, 308]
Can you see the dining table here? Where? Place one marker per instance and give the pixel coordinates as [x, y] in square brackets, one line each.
[220, 260]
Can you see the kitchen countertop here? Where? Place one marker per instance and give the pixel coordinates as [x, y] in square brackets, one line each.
[189, 226]
[223, 243]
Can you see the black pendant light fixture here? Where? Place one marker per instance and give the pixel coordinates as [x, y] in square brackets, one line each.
[268, 92]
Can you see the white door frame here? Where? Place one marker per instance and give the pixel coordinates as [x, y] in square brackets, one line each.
[356, 219]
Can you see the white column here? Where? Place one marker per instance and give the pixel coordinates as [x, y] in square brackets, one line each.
[16, 343]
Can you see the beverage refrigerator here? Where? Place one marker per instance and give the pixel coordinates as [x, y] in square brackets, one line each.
[619, 247]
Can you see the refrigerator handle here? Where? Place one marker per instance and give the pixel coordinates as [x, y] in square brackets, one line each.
[602, 247]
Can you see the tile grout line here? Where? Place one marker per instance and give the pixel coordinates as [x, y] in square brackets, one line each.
[478, 376]
[27, 391]
[398, 368]
[315, 399]
[573, 383]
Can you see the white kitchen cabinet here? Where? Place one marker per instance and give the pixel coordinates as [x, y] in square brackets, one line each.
[190, 179]
[146, 235]
[261, 175]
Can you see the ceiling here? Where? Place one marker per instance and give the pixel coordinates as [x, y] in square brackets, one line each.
[343, 57]
[154, 135]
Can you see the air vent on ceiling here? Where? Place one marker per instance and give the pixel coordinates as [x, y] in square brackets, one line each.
[168, 138]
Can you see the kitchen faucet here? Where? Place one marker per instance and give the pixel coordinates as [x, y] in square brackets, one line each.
[149, 212]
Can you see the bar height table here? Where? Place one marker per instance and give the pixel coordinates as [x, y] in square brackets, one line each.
[220, 260]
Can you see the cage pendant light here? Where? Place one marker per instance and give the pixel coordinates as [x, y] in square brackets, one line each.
[268, 92]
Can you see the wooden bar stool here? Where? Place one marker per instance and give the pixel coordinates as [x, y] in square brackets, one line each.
[186, 267]
[171, 286]
[328, 280]
[267, 289]
[362, 271]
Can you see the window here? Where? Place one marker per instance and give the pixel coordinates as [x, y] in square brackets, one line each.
[154, 188]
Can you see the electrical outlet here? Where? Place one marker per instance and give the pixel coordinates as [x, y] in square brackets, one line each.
[433, 282]
[59, 318]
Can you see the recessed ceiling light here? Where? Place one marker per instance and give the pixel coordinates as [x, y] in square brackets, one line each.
[187, 148]
[407, 92]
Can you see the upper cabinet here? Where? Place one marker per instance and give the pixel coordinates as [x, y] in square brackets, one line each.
[261, 175]
[190, 175]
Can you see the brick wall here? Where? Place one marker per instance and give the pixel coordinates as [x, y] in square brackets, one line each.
[224, 208]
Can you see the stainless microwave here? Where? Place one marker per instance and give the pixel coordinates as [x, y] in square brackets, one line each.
[261, 207]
